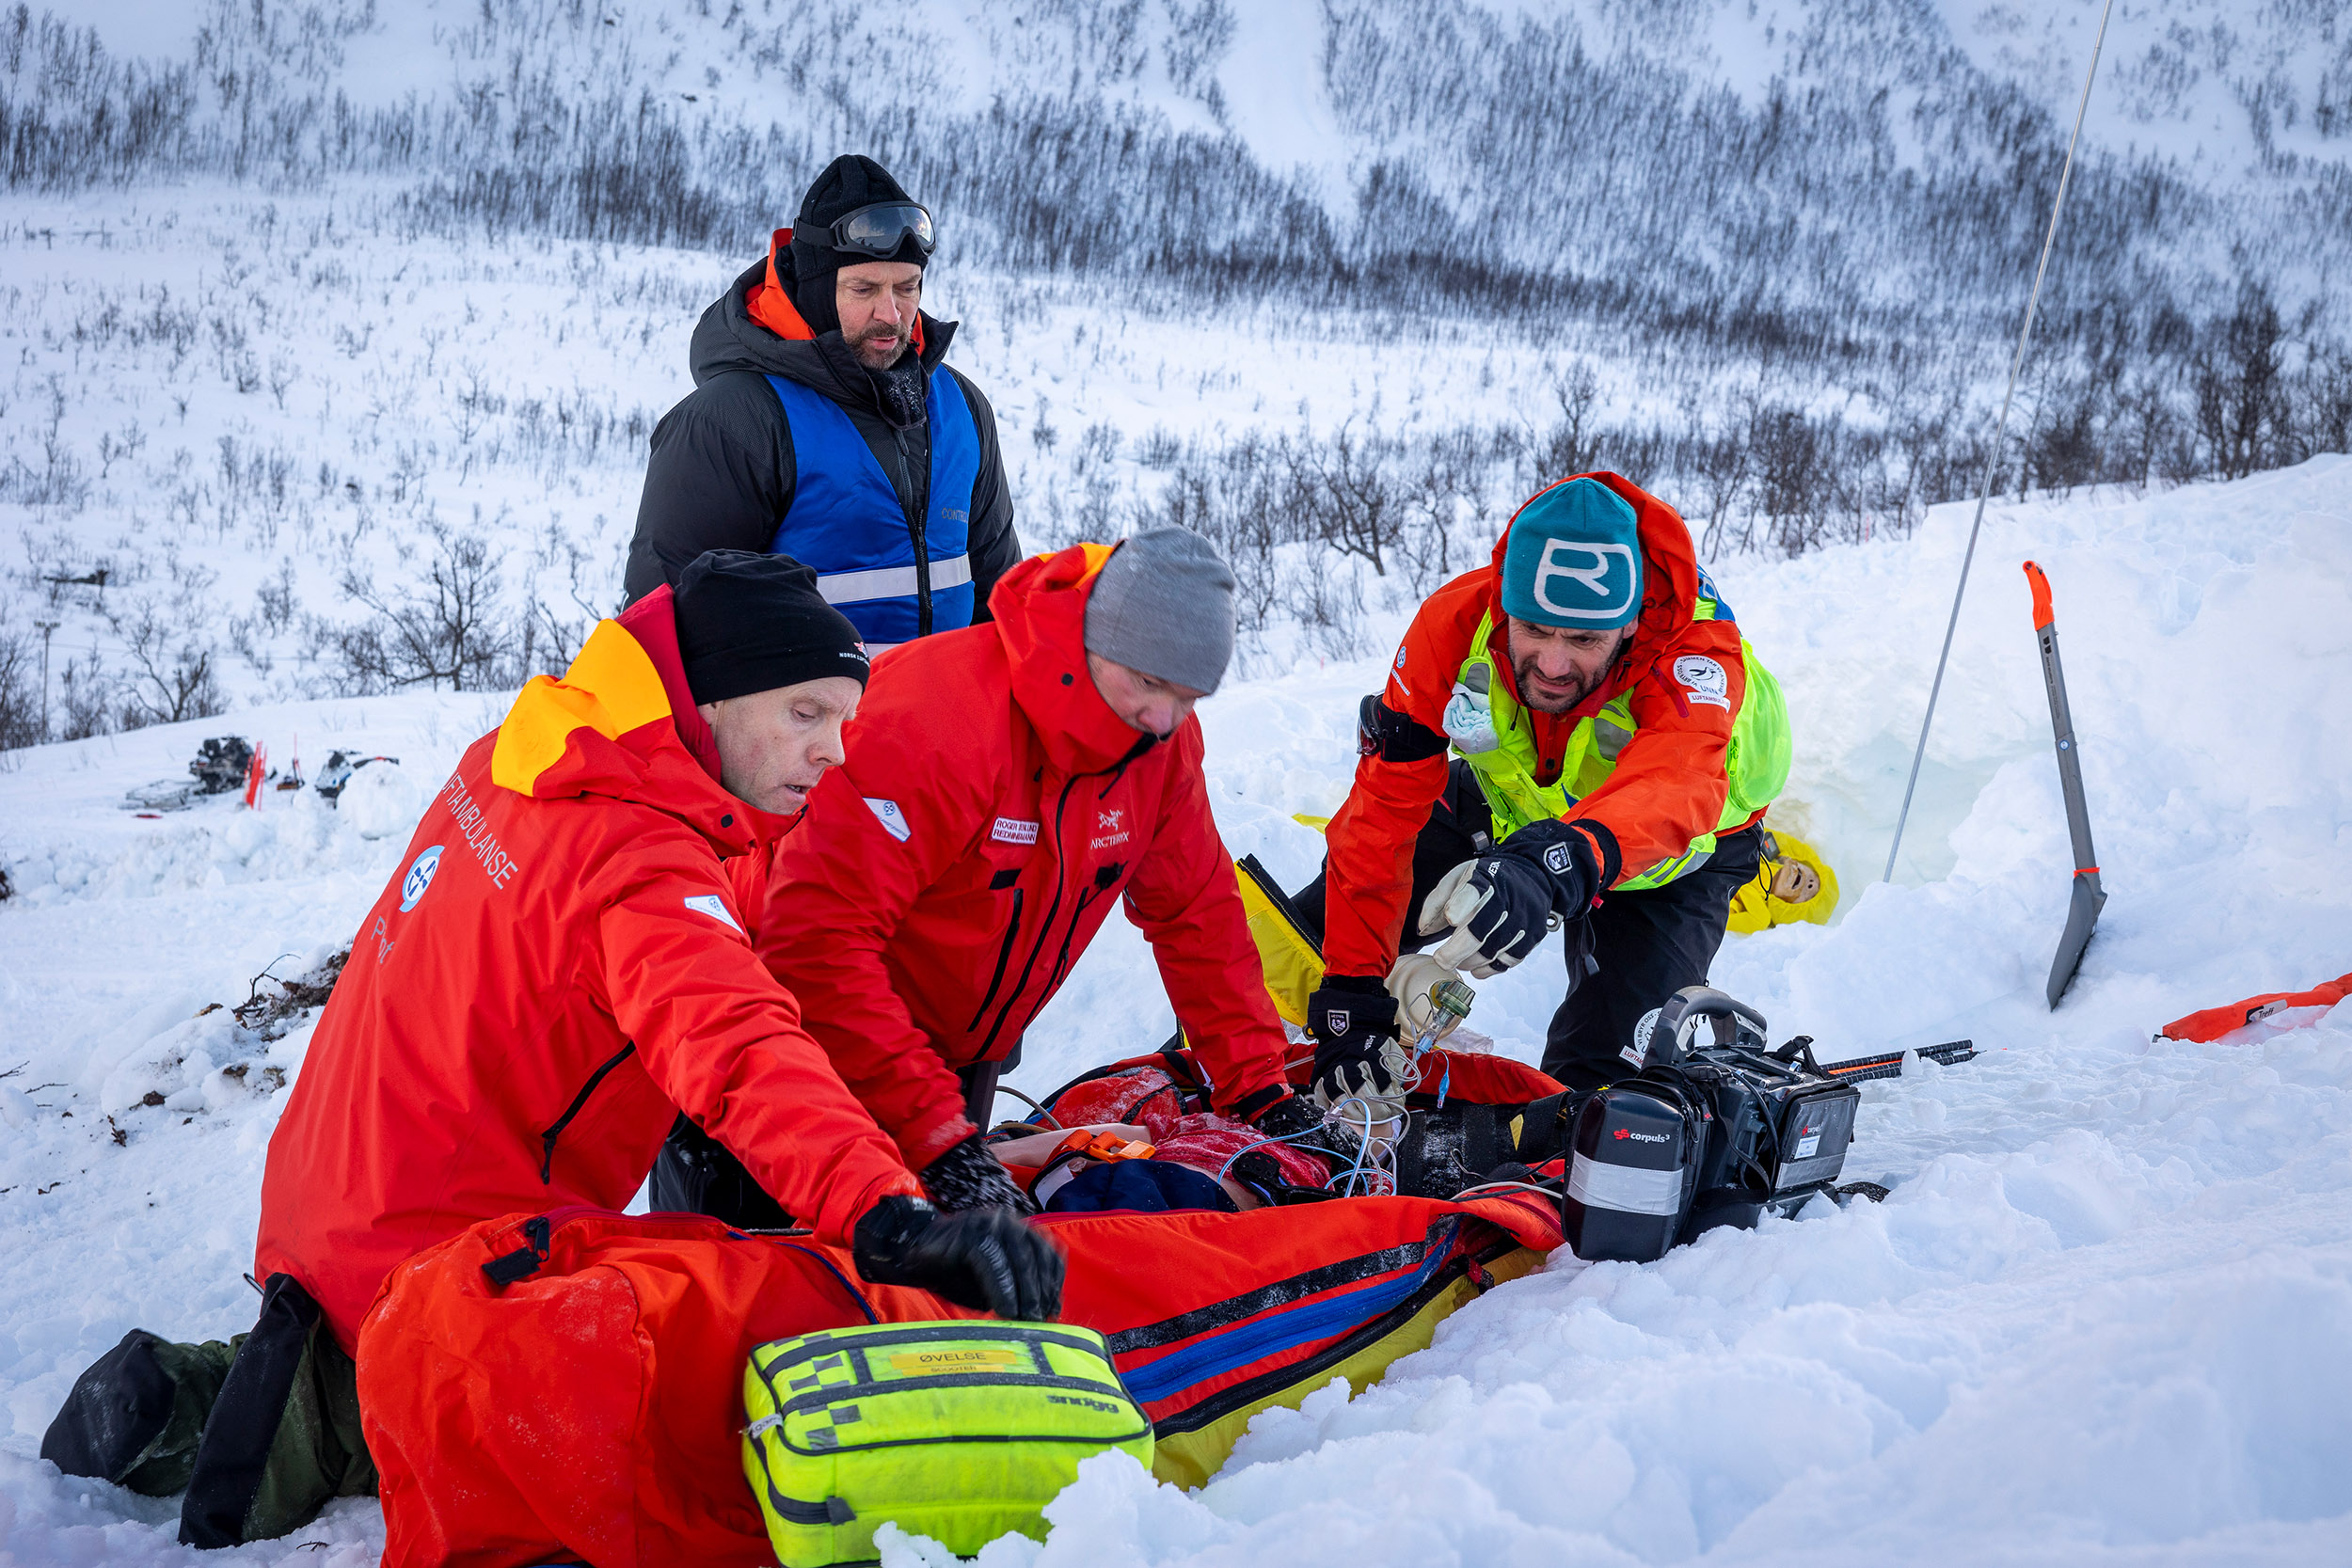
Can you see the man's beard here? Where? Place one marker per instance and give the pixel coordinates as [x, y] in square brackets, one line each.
[1523, 672]
[878, 351]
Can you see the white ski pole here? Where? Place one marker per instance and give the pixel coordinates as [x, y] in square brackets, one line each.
[1993, 456]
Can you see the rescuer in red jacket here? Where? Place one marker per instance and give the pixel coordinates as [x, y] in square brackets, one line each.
[1616, 741]
[1006, 784]
[555, 970]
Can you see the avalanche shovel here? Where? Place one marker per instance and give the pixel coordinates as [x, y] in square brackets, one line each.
[2082, 909]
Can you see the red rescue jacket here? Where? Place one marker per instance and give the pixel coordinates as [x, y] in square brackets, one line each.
[555, 970]
[958, 863]
[1669, 785]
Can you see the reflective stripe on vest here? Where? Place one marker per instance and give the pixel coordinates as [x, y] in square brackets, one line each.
[1755, 764]
[888, 582]
[846, 521]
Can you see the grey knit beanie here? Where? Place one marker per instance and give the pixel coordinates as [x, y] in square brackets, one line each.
[1163, 604]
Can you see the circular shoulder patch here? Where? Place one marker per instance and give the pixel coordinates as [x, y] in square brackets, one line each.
[418, 879]
[1704, 679]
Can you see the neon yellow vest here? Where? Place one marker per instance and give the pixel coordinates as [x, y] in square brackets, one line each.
[1756, 765]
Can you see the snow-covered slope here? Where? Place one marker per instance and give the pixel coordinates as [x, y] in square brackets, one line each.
[300, 300]
[2101, 1320]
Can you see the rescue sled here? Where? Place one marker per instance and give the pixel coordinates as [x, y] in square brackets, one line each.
[563, 1385]
[566, 1386]
[1213, 1317]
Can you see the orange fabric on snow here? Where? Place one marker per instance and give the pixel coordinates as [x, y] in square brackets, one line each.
[554, 971]
[1669, 785]
[2213, 1023]
[590, 1410]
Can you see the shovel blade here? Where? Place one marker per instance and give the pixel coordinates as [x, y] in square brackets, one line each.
[2082, 917]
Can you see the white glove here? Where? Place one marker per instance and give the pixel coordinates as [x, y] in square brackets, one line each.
[1470, 722]
[1451, 902]
[1411, 981]
[1439, 911]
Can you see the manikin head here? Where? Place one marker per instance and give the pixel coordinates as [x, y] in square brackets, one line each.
[1571, 592]
[774, 671]
[1159, 627]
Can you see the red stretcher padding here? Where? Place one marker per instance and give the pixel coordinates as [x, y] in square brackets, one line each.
[590, 1411]
[1480, 1079]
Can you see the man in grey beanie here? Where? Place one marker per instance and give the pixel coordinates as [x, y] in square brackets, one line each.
[1005, 785]
[1162, 606]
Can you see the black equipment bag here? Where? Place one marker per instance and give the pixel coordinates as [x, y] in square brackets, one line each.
[1754, 1129]
[1633, 1169]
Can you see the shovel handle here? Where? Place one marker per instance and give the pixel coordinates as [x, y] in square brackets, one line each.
[2042, 614]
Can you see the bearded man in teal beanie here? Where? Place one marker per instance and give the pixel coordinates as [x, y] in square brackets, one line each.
[1613, 743]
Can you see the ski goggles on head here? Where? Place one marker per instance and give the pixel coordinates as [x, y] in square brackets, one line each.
[879, 230]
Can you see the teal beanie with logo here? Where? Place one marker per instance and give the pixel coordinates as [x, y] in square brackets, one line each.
[1575, 560]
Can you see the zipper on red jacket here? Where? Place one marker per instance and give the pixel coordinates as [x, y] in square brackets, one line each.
[1102, 879]
[1004, 957]
[1045, 927]
[1658, 668]
[555, 1130]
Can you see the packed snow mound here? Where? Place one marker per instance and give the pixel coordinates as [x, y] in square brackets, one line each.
[382, 801]
[2100, 1319]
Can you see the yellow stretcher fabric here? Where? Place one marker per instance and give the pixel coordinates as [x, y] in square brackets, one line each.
[1293, 967]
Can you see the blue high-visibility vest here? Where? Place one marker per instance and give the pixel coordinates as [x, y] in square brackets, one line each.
[846, 521]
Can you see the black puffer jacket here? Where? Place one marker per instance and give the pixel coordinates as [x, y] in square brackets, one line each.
[722, 474]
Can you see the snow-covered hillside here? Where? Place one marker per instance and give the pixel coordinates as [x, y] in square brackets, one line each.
[300, 303]
[2101, 1319]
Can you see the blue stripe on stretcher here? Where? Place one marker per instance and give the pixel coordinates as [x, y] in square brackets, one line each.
[1318, 1318]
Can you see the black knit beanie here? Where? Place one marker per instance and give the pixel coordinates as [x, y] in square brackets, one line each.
[848, 183]
[752, 622]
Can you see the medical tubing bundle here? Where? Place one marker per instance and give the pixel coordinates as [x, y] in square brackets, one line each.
[1374, 1155]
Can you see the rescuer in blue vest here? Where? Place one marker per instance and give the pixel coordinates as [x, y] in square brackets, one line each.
[823, 426]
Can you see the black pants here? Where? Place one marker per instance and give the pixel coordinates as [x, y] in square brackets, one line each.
[261, 1432]
[1648, 944]
[695, 1173]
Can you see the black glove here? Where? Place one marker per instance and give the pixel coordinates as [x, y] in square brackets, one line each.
[1260, 1174]
[969, 1177]
[1298, 1122]
[983, 1258]
[1545, 870]
[1351, 1016]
